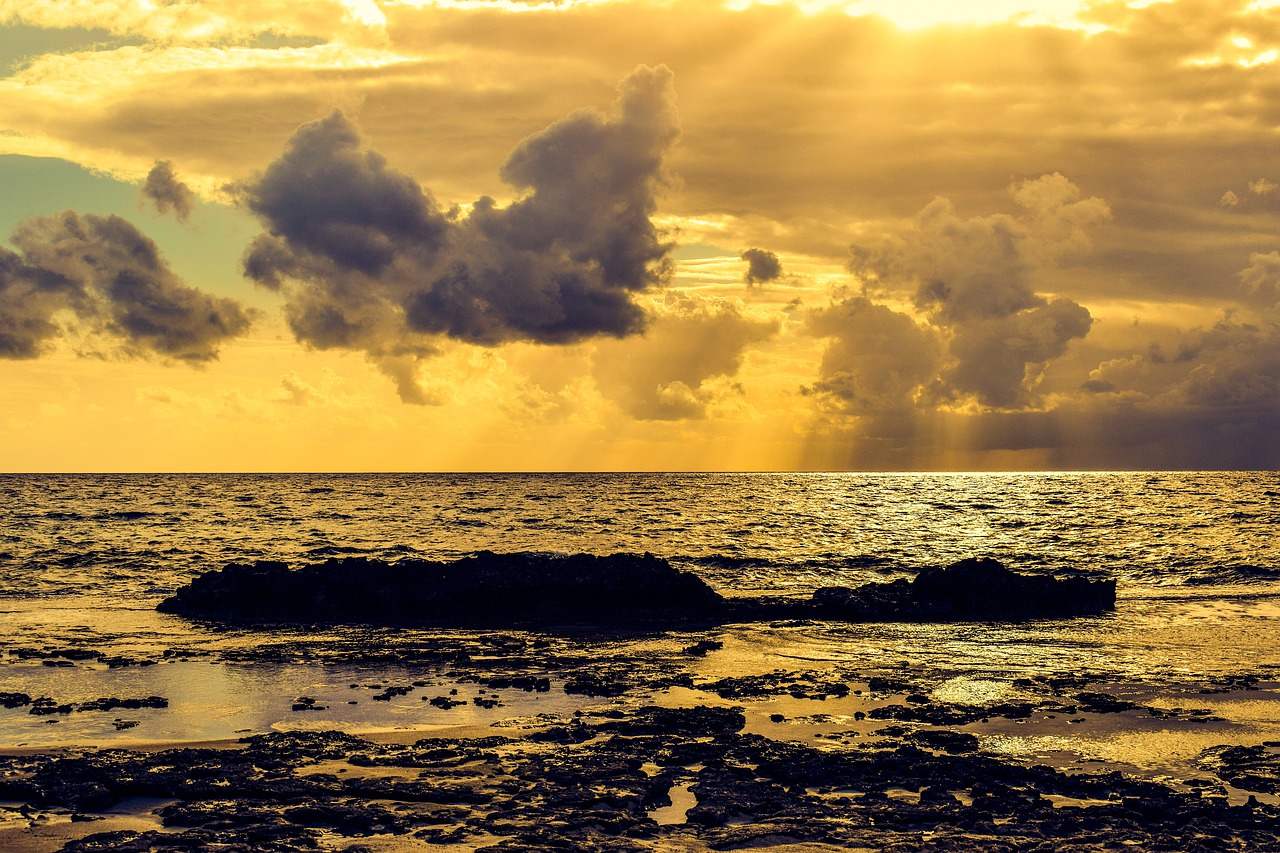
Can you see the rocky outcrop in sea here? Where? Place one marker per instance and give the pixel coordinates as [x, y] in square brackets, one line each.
[619, 591]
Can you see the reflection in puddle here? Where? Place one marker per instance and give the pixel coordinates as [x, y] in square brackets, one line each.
[216, 701]
[682, 799]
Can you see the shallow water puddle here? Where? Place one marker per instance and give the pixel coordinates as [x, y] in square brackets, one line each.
[1061, 801]
[682, 799]
[37, 831]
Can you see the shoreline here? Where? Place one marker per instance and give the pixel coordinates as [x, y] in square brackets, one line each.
[641, 750]
[614, 779]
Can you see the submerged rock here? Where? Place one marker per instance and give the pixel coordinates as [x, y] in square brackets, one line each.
[619, 591]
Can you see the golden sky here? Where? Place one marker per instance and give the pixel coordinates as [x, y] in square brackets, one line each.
[467, 235]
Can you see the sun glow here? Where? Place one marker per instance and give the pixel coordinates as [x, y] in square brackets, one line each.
[921, 14]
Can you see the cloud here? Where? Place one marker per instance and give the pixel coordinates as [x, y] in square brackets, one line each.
[295, 391]
[762, 266]
[877, 361]
[30, 298]
[1228, 373]
[166, 192]
[368, 261]
[1260, 281]
[332, 206]
[199, 22]
[998, 359]
[1231, 369]
[104, 274]
[1262, 187]
[684, 364]
[975, 279]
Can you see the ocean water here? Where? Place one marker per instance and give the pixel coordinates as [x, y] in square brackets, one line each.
[84, 559]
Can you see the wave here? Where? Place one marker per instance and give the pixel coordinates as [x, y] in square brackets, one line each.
[333, 551]
[78, 559]
[1239, 574]
[122, 515]
[825, 561]
[726, 561]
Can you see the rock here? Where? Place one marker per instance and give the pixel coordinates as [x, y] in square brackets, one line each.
[703, 647]
[485, 589]
[592, 788]
[306, 703]
[14, 700]
[1253, 768]
[1104, 703]
[946, 740]
[978, 588]
[619, 592]
[112, 703]
[970, 589]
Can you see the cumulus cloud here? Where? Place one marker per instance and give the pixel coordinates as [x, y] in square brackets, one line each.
[877, 361]
[1229, 200]
[105, 275]
[369, 261]
[1230, 367]
[1260, 281]
[1262, 187]
[762, 266]
[975, 279]
[1207, 397]
[685, 363]
[163, 189]
[295, 391]
[998, 359]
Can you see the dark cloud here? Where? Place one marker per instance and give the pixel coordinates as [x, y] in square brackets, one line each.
[104, 274]
[368, 261]
[328, 201]
[1230, 370]
[998, 359]
[30, 297]
[975, 279]
[877, 362]
[1231, 367]
[166, 192]
[762, 266]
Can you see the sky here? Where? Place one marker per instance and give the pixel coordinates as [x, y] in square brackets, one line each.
[461, 235]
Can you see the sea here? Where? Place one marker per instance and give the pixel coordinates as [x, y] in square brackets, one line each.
[84, 559]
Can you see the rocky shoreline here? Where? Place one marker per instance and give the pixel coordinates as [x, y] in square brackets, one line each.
[652, 750]
[610, 781]
[654, 740]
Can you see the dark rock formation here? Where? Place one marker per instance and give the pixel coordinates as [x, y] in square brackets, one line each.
[485, 589]
[618, 592]
[971, 589]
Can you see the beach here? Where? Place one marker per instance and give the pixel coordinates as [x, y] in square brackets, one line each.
[637, 752]
[1153, 726]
